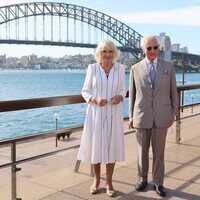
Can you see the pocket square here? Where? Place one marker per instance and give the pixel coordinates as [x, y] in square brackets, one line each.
[165, 72]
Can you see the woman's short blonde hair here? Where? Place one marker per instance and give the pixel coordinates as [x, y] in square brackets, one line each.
[108, 44]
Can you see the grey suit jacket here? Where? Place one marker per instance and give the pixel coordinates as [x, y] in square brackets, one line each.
[148, 105]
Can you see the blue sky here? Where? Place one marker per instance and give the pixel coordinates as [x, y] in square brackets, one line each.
[179, 19]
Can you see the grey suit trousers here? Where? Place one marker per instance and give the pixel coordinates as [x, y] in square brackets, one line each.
[157, 138]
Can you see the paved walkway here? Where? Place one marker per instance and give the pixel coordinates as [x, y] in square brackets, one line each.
[53, 178]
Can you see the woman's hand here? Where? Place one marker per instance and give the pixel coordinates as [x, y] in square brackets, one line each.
[117, 99]
[99, 101]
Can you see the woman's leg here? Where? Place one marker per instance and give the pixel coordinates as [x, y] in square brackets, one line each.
[109, 174]
[97, 172]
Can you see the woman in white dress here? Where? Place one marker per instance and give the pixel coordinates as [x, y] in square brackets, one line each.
[103, 135]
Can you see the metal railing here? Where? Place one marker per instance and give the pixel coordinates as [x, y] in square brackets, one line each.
[181, 106]
[14, 105]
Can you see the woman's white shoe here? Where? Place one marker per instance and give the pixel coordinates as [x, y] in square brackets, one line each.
[94, 190]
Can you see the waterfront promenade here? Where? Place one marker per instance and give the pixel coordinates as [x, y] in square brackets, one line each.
[53, 178]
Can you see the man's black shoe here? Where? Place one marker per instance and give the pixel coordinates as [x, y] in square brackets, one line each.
[160, 190]
[140, 186]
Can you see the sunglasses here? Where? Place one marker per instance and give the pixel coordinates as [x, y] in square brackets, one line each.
[154, 48]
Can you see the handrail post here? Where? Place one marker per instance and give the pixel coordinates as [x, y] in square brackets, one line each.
[178, 120]
[14, 170]
[77, 165]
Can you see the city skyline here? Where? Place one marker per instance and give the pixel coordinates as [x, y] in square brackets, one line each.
[179, 20]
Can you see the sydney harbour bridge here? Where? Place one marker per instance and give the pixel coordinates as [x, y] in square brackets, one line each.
[61, 24]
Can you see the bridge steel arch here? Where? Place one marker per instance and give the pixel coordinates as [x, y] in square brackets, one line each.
[128, 38]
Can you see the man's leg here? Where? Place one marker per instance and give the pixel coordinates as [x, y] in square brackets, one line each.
[143, 143]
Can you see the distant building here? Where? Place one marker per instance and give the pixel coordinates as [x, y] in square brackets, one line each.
[175, 47]
[11, 62]
[24, 61]
[37, 66]
[2, 60]
[165, 46]
[33, 59]
[162, 34]
[184, 50]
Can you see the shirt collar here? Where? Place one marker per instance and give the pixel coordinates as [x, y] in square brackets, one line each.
[154, 62]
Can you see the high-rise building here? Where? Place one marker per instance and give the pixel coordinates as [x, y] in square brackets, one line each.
[33, 59]
[24, 61]
[165, 46]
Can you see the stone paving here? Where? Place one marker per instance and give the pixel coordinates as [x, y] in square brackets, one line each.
[53, 178]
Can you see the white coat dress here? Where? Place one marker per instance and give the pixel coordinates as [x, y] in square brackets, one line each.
[103, 133]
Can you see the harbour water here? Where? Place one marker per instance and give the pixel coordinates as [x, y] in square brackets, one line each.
[25, 84]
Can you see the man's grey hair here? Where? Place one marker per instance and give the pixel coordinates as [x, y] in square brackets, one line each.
[145, 39]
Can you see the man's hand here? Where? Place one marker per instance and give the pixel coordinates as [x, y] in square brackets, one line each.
[131, 123]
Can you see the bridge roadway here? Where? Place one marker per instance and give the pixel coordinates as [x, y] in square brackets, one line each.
[53, 178]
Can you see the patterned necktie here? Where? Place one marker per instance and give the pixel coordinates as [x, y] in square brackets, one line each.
[152, 74]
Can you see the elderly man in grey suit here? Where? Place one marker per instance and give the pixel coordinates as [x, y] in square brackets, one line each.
[152, 109]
